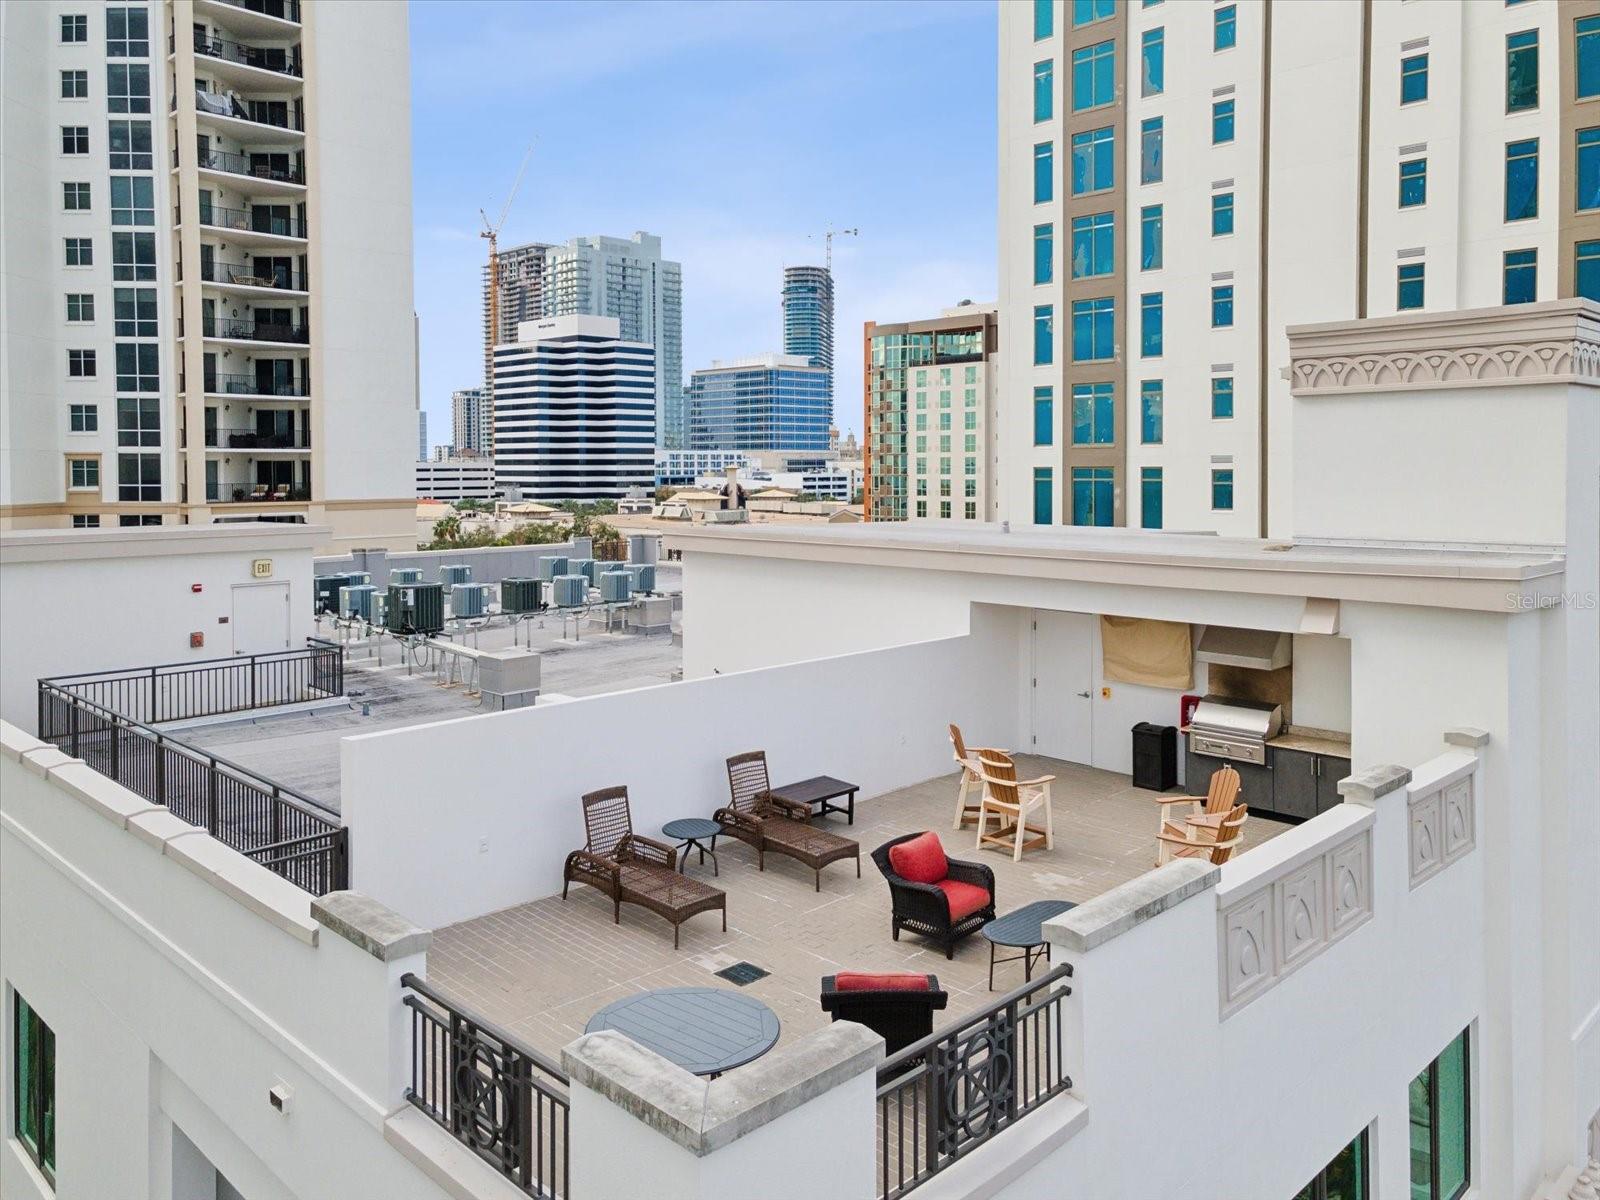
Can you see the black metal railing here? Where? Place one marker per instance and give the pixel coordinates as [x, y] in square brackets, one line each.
[104, 719]
[212, 104]
[209, 159]
[256, 330]
[246, 274]
[257, 439]
[943, 1097]
[266, 493]
[252, 221]
[284, 10]
[282, 61]
[224, 384]
[495, 1095]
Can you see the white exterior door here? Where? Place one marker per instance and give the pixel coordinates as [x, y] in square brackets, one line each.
[260, 620]
[1062, 678]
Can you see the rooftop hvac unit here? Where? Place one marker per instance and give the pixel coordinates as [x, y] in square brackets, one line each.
[569, 591]
[451, 574]
[359, 577]
[356, 601]
[644, 548]
[644, 577]
[581, 566]
[615, 586]
[414, 608]
[551, 565]
[380, 606]
[469, 600]
[520, 595]
[325, 590]
[405, 575]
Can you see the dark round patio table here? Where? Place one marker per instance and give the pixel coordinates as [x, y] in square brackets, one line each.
[705, 1030]
[692, 833]
[1024, 930]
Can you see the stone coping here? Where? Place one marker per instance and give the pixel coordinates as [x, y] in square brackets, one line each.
[376, 928]
[705, 1115]
[1365, 787]
[1113, 913]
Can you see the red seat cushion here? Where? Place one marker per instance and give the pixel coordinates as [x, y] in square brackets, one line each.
[889, 981]
[921, 859]
[964, 898]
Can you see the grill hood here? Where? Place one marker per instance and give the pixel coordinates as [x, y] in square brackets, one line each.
[1257, 649]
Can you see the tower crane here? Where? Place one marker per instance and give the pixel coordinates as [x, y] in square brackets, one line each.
[828, 238]
[491, 231]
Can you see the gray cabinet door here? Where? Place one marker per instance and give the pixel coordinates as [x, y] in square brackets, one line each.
[1294, 783]
[1329, 772]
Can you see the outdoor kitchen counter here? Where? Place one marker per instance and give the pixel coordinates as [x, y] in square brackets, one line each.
[1313, 741]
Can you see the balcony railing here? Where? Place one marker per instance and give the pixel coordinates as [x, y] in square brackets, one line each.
[241, 164]
[502, 1099]
[225, 384]
[240, 109]
[263, 493]
[286, 10]
[249, 275]
[256, 439]
[943, 1097]
[255, 330]
[284, 62]
[251, 221]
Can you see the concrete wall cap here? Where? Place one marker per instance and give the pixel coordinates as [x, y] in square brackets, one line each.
[269, 896]
[1366, 786]
[1113, 913]
[1467, 737]
[43, 758]
[376, 928]
[158, 827]
[15, 741]
[101, 795]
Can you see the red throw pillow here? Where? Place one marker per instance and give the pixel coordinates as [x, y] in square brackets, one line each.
[964, 898]
[890, 981]
[921, 859]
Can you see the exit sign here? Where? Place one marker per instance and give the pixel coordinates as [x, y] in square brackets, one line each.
[261, 568]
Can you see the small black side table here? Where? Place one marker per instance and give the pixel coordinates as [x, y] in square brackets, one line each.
[690, 832]
[1023, 930]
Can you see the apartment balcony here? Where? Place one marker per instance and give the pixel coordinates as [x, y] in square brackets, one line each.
[258, 493]
[253, 18]
[279, 441]
[265, 174]
[253, 278]
[264, 122]
[261, 225]
[248, 66]
[250, 329]
[256, 386]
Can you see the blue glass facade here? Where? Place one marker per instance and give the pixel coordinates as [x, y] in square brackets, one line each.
[808, 320]
[759, 407]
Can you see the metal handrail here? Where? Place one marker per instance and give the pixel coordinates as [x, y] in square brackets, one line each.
[244, 275]
[208, 158]
[248, 56]
[243, 221]
[548, 1065]
[232, 384]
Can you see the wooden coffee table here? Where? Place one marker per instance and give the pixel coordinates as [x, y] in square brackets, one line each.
[819, 790]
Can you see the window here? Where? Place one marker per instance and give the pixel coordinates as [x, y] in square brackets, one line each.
[80, 364]
[83, 418]
[1586, 53]
[80, 252]
[127, 87]
[1221, 214]
[1044, 416]
[922, 505]
[127, 33]
[135, 312]
[944, 506]
[130, 146]
[1150, 497]
[1413, 79]
[1522, 179]
[1222, 306]
[86, 520]
[1413, 182]
[138, 367]
[1151, 404]
[1151, 151]
[970, 509]
[1153, 62]
[80, 307]
[1345, 1178]
[1586, 269]
[1221, 397]
[1588, 169]
[1093, 245]
[1221, 122]
[83, 474]
[144, 519]
[1522, 71]
[1411, 280]
[1150, 325]
[1086, 11]
[1441, 1126]
[1222, 489]
[138, 477]
[1093, 161]
[74, 85]
[1094, 414]
[1043, 184]
[74, 139]
[133, 256]
[1043, 90]
[1044, 502]
[1044, 19]
[133, 200]
[1094, 76]
[1093, 329]
[1043, 253]
[1225, 27]
[1093, 496]
[1521, 277]
[75, 197]
[1150, 237]
[138, 421]
[33, 1083]
[1044, 318]
[74, 28]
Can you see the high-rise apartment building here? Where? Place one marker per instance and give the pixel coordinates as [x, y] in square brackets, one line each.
[764, 402]
[808, 318]
[470, 417]
[575, 412]
[930, 400]
[627, 278]
[200, 201]
[1179, 183]
[520, 298]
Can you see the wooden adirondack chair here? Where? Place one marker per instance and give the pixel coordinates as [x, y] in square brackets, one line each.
[1216, 843]
[1219, 800]
[971, 773]
[1011, 801]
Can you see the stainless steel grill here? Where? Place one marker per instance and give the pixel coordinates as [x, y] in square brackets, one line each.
[1234, 729]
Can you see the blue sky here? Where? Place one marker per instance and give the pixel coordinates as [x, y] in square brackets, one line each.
[733, 130]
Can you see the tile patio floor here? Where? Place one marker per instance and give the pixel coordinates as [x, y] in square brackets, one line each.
[541, 970]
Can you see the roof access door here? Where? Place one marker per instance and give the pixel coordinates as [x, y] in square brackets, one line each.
[260, 620]
[1062, 675]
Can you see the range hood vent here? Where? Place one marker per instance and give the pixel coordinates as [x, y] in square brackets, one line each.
[1257, 649]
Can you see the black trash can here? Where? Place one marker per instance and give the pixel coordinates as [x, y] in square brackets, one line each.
[1155, 756]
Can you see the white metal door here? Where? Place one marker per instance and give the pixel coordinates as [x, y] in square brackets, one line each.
[260, 620]
[1062, 675]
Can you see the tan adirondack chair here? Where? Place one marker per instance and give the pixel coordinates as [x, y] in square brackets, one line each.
[1215, 843]
[1011, 801]
[1219, 800]
[971, 773]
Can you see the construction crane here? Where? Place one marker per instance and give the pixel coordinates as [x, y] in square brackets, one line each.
[828, 238]
[491, 230]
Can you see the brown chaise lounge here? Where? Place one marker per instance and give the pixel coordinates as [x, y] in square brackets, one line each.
[633, 869]
[776, 826]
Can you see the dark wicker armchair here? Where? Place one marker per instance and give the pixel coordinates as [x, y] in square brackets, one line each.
[633, 869]
[925, 908]
[897, 1007]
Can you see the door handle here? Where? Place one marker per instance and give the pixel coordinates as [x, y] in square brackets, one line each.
[1085, 695]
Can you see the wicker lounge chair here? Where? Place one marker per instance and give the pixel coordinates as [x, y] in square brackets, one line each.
[898, 1006]
[946, 908]
[632, 869]
[776, 826]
